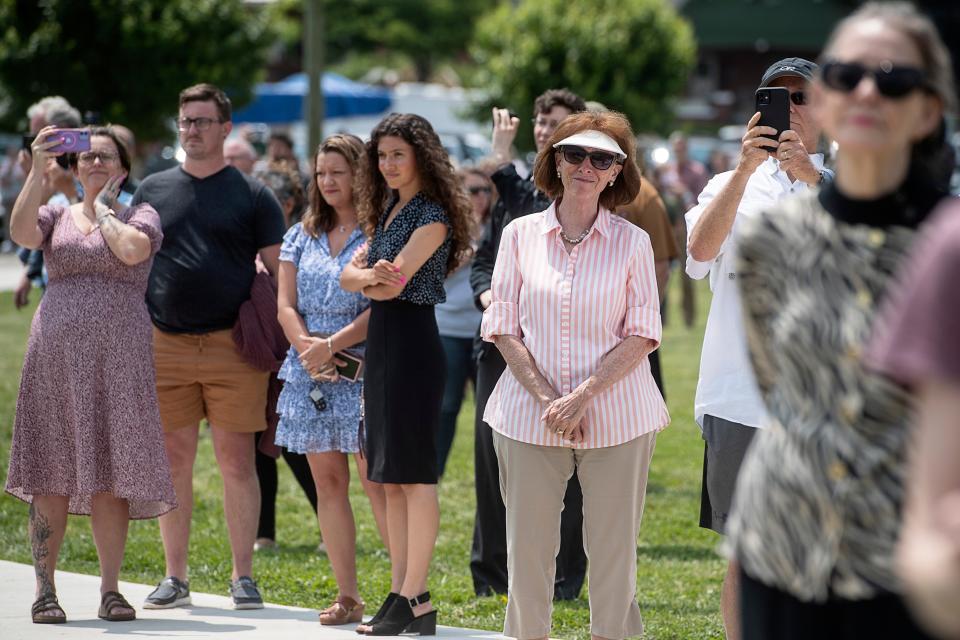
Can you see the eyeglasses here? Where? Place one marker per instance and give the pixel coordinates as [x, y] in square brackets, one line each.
[202, 124]
[798, 98]
[600, 160]
[891, 81]
[89, 157]
[478, 190]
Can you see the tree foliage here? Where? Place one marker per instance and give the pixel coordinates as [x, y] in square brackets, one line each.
[631, 55]
[127, 59]
[428, 32]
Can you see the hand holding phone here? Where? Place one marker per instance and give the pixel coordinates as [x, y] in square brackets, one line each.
[753, 151]
[41, 147]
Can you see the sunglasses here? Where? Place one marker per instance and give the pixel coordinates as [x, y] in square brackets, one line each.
[601, 160]
[478, 190]
[891, 81]
[798, 98]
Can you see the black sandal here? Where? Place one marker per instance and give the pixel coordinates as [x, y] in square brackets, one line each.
[378, 616]
[43, 604]
[400, 618]
[112, 600]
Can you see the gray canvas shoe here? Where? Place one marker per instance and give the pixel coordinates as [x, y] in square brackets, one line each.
[245, 594]
[171, 592]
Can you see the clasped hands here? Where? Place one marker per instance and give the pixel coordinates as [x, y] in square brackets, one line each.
[318, 359]
[565, 416]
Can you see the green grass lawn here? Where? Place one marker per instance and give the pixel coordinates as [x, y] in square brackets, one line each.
[679, 572]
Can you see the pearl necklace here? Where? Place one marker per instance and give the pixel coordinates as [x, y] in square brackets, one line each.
[576, 240]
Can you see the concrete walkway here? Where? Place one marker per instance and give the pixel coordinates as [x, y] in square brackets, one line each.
[210, 616]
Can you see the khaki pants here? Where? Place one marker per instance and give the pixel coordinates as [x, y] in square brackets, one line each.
[614, 481]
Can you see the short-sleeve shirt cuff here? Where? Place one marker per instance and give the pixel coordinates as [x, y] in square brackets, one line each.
[146, 220]
[642, 321]
[292, 246]
[500, 319]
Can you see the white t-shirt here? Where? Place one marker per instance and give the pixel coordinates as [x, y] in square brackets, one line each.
[726, 388]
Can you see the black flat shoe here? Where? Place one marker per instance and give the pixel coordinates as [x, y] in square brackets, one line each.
[382, 611]
[399, 618]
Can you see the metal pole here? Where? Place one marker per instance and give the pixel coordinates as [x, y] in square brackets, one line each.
[313, 67]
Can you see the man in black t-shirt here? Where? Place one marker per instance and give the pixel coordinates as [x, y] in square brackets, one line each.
[215, 222]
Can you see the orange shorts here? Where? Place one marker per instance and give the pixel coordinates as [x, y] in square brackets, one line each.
[202, 376]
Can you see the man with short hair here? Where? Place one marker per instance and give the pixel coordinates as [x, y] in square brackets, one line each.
[239, 153]
[215, 222]
[728, 406]
[518, 197]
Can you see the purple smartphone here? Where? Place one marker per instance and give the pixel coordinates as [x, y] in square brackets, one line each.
[74, 140]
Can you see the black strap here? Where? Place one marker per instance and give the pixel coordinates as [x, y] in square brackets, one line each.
[420, 599]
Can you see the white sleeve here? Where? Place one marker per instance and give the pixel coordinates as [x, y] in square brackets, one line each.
[694, 268]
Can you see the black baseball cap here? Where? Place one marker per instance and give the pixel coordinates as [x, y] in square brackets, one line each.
[797, 67]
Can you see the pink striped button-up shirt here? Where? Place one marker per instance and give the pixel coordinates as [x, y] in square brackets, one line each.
[571, 309]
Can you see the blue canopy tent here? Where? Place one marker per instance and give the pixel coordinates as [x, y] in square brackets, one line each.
[284, 101]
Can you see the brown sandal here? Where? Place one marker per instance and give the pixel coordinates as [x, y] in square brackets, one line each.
[344, 610]
[45, 603]
[110, 602]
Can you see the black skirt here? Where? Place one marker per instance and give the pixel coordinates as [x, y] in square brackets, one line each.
[403, 390]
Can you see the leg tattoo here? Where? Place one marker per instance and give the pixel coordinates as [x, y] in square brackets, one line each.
[40, 532]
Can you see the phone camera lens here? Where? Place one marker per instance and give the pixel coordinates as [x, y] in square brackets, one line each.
[763, 98]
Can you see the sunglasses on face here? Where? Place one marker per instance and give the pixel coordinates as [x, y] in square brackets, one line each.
[478, 190]
[891, 81]
[601, 160]
[798, 98]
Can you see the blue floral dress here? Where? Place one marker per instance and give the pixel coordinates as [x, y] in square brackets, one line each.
[327, 308]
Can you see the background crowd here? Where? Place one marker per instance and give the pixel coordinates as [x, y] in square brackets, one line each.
[340, 308]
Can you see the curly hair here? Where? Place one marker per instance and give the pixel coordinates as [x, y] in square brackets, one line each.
[438, 181]
[285, 182]
[613, 124]
[321, 217]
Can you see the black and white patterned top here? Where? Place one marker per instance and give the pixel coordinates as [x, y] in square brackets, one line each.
[426, 285]
[817, 507]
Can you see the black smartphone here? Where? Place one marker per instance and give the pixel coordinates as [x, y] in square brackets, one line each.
[351, 371]
[773, 103]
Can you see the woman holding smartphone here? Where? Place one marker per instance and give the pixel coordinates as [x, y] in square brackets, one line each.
[320, 409]
[819, 497]
[419, 223]
[87, 437]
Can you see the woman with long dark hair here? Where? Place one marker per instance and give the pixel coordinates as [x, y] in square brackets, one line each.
[818, 507]
[419, 223]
